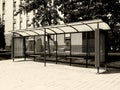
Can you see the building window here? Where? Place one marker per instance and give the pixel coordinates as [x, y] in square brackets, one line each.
[3, 8]
[3, 1]
[27, 18]
[14, 21]
[20, 19]
[3, 16]
[3, 21]
[14, 6]
[14, 26]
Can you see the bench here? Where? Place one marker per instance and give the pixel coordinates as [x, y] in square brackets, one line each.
[78, 58]
[66, 55]
[35, 56]
[5, 54]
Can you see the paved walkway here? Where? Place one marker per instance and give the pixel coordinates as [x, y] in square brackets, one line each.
[29, 75]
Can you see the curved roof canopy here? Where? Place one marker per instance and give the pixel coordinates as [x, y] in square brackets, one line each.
[83, 26]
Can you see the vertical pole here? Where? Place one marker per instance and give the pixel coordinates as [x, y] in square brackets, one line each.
[13, 48]
[34, 47]
[97, 48]
[56, 49]
[87, 33]
[45, 47]
[48, 37]
[70, 50]
[24, 48]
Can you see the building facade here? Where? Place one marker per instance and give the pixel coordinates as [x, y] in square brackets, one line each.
[23, 20]
[8, 9]
[6, 14]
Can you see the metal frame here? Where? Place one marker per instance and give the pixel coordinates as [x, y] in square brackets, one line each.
[97, 48]
[45, 48]
[87, 51]
[44, 29]
[56, 50]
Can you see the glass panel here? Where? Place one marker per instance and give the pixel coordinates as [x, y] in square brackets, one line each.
[23, 33]
[76, 42]
[57, 30]
[31, 32]
[104, 26]
[39, 32]
[93, 25]
[75, 27]
[67, 35]
[68, 29]
[82, 28]
[49, 31]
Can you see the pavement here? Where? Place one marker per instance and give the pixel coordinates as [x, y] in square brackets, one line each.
[30, 75]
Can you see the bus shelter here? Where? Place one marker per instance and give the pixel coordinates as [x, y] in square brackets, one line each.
[99, 28]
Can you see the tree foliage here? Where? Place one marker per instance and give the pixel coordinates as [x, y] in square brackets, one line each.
[45, 12]
[75, 10]
[107, 10]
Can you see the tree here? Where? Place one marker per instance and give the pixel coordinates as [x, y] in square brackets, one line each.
[107, 10]
[45, 12]
[2, 36]
[77, 10]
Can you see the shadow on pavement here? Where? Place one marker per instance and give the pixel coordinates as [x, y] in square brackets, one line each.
[22, 60]
[111, 71]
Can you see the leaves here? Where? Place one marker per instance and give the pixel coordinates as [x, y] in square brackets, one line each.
[46, 13]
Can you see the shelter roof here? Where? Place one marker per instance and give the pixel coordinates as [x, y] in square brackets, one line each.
[77, 27]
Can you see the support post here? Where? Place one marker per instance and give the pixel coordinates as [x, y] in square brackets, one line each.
[97, 48]
[34, 47]
[45, 47]
[56, 49]
[49, 51]
[12, 48]
[70, 50]
[87, 51]
[24, 48]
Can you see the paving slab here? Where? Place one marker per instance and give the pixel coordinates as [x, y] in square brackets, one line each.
[30, 75]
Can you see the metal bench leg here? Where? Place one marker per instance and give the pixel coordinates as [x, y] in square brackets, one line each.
[56, 61]
[87, 63]
[34, 58]
[70, 61]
